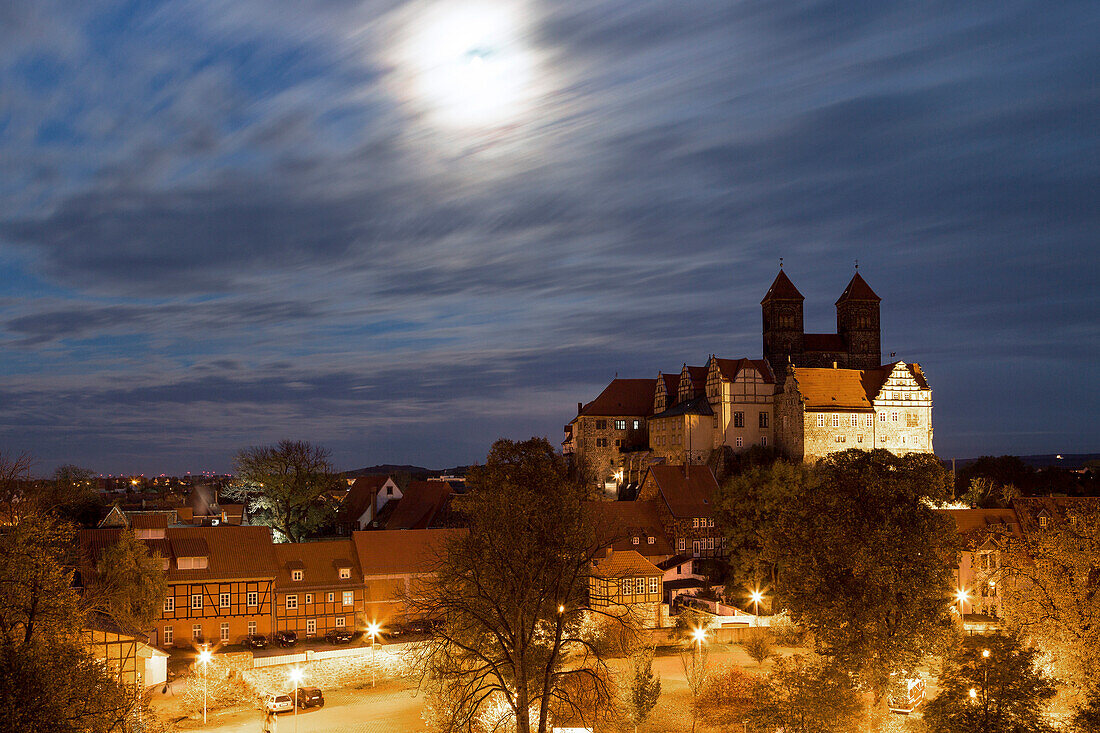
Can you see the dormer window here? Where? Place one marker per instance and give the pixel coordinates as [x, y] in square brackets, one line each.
[345, 573]
[295, 575]
[191, 563]
[1043, 522]
[635, 541]
[652, 540]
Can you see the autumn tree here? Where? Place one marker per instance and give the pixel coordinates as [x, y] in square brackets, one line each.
[14, 479]
[758, 645]
[128, 583]
[806, 695]
[728, 697]
[1052, 589]
[867, 563]
[283, 486]
[991, 684]
[643, 687]
[695, 662]
[511, 594]
[48, 679]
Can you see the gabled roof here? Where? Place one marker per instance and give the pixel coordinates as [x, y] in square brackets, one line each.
[361, 495]
[975, 525]
[829, 342]
[399, 552]
[730, 368]
[619, 522]
[672, 383]
[782, 289]
[320, 563]
[148, 520]
[687, 495]
[858, 289]
[232, 552]
[419, 503]
[624, 564]
[623, 397]
[837, 389]
[1030, 508]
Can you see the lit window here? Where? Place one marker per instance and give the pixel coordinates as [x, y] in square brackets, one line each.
[168, 635]
[635, 541]
[339, 622]
[196, 600]
[637, 424]
[223, 600]
[654, 586]
[311, 627]
[836, 421]
[296, 575]
[349, 597]
[620, 424]
[331, 597]
[738, 419]
[309, 598]
[1043, 521]
[253, 598]
[626, 586]
[291, 602]
[345, 573]
[652, 540]
[251, 628]
[169, 604]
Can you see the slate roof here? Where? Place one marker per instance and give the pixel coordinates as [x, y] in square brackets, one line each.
[623, 397]
[624, 564]
[858, 289]
[419, 504]
[782, 289]
[320, 563]
[685, 496]
[399, 552]
[232, 552]
[618, 522]
[697, 406]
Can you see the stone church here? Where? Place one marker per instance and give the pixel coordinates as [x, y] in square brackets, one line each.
[810, 395]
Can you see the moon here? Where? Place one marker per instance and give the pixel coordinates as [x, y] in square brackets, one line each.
[468, 63]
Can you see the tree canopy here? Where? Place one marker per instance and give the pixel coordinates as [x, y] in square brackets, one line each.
[866, 563]
[511, 593]
[990, 684]
[283, 486]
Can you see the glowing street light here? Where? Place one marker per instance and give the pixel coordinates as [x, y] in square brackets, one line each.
[699, 634]
[204, 657]
[973, 694]
[961, 596]
[296, 678]
[757, 596]
[372, 629]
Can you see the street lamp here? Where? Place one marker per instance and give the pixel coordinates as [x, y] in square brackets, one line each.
[961, 596]
[757, 596]
[296, 677]
[204, 657]
[699, 634]
[372, 630]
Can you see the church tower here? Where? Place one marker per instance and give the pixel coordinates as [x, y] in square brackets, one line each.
[783, 329]
[857, 323]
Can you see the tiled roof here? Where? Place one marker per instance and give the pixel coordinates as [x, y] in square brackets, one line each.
[830, 342]
[976, 524]
[232, 552]
[397, 552]
[687, 495]
[623, 397]
[320, 563]
[420, 502]
[730, 368]
[157, 520]
[619, 522]
[1028, 508]
[624, 564]
[360, 496]
[857, 289]
[782, 289]
[841, 389]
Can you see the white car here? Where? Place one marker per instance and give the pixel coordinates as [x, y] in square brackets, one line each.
[279, 702]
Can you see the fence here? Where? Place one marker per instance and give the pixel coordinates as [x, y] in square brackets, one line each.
[314, 656]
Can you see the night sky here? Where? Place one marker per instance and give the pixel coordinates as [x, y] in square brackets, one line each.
[402, 230]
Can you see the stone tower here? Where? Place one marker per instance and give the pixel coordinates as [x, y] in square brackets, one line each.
[783, 330]
[857, 323]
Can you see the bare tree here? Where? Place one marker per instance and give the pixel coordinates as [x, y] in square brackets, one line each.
[14, 482]
[283, 485]
[512, 598]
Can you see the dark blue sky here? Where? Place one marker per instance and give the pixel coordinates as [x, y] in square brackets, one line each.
[402, 230]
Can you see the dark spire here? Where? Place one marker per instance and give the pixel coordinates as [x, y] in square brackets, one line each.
[858, 289]
[782, 289]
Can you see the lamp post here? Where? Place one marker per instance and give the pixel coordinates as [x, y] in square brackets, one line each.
[985, 689]
[699, 634]
[204, 657]
[372, 629]
[961, 596]
[757, 596]
[296, 677]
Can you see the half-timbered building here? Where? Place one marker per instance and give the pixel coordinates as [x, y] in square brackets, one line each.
[318, 588]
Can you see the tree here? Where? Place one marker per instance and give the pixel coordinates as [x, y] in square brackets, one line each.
[1086, 718]
[14, 480]
[867, 563]
[644, 687]
[129, 583]
[727, 699]
[758, 645]
[747, 509]
[803, 695]
[71, 495]
[1052, 590]
[1001, 691]
[511, 594]
[283, 486]
[694, 662]
[48, 680]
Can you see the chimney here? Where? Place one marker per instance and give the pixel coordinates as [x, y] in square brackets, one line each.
[579, 406]
[834, 365]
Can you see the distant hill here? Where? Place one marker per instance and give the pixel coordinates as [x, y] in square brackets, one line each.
[387, 468]
[1061, 460]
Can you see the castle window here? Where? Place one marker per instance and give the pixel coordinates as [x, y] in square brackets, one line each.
[620, 424]
[870, 421]
[738, 419]
[894, 416]
[859, 438]
[836, 421]
[601, 424]
[764, 440]
[854, 421]
[882, 417]
[821, 421]
[763, 419]
[637, 424]
[740, 441]
[912, 419]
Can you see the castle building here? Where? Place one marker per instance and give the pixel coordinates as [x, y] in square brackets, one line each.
[812, 394]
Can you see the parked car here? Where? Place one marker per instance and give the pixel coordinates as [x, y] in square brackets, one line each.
[286, 638]
[256, 641]
[419, 626]
[279, 702]
[338, 636]
[309, 697]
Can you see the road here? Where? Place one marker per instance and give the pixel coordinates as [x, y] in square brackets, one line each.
[390, 708]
